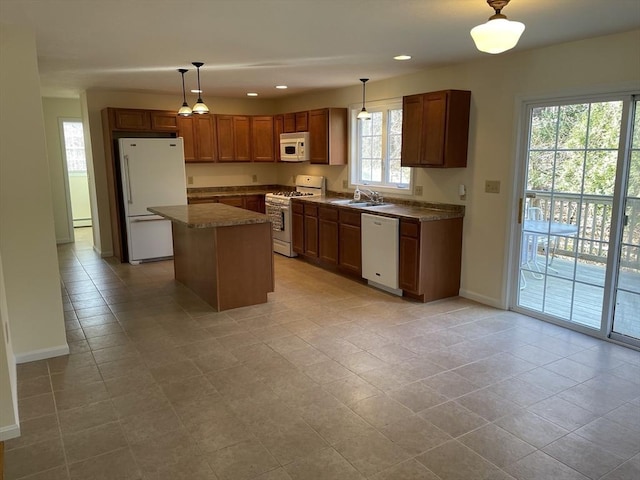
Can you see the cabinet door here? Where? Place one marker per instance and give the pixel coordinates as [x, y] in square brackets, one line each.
[205, 138]
[128, 119]
[311, 247]
[262, 139]
[319, 136]
[224, 130]
[254, 203]
[328, 234]
[350, 254]
[164, 121]
[234, 201]
[434, 128]
[409, 269]
[297, 229]
[289, 122]
[242, 138]
[302, 121]
[187, 132]
[411, 130]
[278, 128]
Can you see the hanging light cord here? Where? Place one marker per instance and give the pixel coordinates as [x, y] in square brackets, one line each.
[184, 95]
[364, 83]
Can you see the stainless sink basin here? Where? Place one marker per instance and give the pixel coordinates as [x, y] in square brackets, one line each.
[357, 203]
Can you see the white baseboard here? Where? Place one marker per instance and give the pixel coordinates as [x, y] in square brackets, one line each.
[492, 302]
[42, 354]
[10, 431]
[101, 253]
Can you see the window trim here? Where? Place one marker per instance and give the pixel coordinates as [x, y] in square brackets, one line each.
[354, 109]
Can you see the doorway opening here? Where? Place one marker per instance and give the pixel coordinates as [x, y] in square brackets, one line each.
[78, 179]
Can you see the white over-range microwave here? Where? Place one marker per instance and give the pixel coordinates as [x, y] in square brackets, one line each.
[294, 147]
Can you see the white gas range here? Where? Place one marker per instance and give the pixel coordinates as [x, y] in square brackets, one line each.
[278, 205]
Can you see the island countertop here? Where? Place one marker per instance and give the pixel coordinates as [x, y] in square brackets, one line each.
[209, 215]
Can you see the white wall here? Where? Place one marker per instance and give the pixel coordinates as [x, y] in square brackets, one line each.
[27, 237]
[9, 421]
[54, 109]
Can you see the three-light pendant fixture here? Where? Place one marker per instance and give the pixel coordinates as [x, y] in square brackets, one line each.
[199, 107]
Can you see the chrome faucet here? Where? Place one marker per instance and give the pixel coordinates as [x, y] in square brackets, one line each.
[374, 197]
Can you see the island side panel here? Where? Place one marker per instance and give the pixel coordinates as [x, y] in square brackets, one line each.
[245, 264]
[195, 261]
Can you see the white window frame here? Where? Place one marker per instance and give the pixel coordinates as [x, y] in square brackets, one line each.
[354, 160]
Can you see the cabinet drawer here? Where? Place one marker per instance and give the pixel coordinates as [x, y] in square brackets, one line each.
[328, 213]
[297, 207]
[409, 229]
[311, 210]
[349, 217]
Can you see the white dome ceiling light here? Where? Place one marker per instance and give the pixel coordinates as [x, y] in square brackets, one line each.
[498, 34]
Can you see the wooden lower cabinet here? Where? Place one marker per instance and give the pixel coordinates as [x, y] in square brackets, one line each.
[297, 227]
[248, 202]
[350, 243]
[430, 258]
[311, 243]
[328, 234]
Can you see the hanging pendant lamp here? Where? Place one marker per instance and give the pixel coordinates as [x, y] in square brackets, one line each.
[498, 34]
[199, 106]
[185, 110]
[364, 115]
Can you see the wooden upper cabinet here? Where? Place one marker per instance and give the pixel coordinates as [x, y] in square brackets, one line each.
[234, 138]
[435, 129]
[278, 128]
[129, 119]
[296, 122]
[186, 131]
[224, 130]
[164, 121]
[263, 138]
[242, 138]
[205, 136]
[198, 134]
[328, 136]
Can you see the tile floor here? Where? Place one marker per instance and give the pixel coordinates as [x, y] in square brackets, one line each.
[329, 380]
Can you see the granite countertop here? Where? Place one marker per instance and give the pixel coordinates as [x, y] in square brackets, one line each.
[209, 215]
[421, 211]
[213, 192]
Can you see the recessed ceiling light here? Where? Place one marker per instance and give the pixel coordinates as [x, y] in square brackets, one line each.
[402, 57]
[252, 94]
[281, 87]
[195, 90]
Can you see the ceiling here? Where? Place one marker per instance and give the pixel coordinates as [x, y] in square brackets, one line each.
[253, 45]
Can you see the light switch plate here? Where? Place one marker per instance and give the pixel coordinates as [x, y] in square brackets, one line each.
[492, 186]
[190, 180]
[254, 178]
[345, 184]
[418, 189]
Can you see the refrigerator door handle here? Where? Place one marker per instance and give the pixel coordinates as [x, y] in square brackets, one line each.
[128, 178]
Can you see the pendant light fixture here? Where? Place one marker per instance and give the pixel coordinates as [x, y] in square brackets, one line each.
[199, 106]
[364, 115]
[498, 34]
[185, 110]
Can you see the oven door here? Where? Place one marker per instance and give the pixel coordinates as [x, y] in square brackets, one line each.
[282, 238]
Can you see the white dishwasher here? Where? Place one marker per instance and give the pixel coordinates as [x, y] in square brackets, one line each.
[380, 252]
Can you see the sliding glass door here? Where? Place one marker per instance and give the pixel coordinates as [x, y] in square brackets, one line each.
[626, 318]
[569, 220]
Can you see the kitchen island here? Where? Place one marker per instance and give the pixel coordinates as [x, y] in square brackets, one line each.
[222, 253]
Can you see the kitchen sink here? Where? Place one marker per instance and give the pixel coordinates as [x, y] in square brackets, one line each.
[356, 203]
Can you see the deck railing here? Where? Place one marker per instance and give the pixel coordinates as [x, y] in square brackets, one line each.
[592, 215]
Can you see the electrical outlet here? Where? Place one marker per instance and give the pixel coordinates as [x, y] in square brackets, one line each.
[254, 178]
[190, 180]
[418, 189]
[492, 186]
[345, 184]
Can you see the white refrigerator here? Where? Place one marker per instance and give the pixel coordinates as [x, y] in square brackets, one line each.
[153, 174]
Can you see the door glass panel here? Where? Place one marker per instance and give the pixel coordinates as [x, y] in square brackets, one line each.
[571, 170]
[626, 319]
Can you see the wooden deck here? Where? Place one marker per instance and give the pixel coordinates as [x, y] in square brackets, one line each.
[555, 293]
